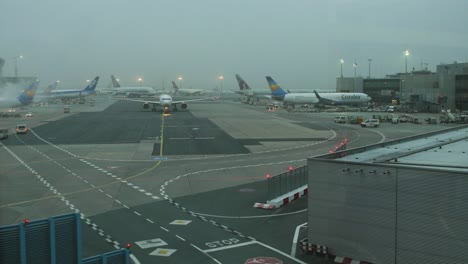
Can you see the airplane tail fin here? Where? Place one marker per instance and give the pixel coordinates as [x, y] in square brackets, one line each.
[92, 85]
[174, 86]
[318, 96]
[27, 96]
[242, 84]
[276, 90]
[174, 89]
[115, 83]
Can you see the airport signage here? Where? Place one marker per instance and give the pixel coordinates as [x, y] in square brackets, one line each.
[160, 158]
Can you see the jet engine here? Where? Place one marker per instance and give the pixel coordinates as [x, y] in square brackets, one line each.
[146, 106]
[183, 106]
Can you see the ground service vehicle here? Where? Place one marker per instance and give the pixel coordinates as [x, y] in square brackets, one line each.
[370, 123]
[3, 133]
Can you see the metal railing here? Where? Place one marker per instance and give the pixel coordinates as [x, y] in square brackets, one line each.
[286, 182]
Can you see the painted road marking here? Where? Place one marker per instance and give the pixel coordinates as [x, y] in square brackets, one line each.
[163, 252]
[228, 247]
[149, 243]
[180, 222]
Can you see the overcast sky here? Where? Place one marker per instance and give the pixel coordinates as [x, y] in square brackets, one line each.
[297, 42]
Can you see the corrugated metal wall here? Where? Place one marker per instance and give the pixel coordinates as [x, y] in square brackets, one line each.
[355, 210]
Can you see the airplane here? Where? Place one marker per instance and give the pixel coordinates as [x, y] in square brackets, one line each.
[50, 87]
[343, 98]
[277, 93]
[24, 99]
[70, 94]
[165, 102]
[254, 93]
[249, 92]
[130, 92]
[179, 91]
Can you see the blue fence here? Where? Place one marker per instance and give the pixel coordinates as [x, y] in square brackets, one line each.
[54, 240]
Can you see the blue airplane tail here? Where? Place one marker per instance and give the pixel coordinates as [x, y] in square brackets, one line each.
[92, 85]
[276, 91]
[27, 96]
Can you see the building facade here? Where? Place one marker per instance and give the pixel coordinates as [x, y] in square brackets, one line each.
[426, 91]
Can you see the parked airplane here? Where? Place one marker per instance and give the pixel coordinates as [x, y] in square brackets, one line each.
[46, 91]
[279, 94]
[70, 94]
[24, 99]
[165, 102]
[179, 91]
[255, 93]
[249, 92]
[128, 91]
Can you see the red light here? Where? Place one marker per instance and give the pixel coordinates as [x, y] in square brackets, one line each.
[290, 168]
[26, 221]
[128, 245]
[268, 176]
[331, 151]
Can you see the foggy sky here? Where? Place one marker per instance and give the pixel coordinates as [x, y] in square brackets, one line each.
[297, 42]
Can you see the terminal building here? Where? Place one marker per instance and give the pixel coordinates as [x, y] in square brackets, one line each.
[402, 201]
[423, 90]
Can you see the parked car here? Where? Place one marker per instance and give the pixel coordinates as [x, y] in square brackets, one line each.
[370, 123]
[21, 129]
[28, 115]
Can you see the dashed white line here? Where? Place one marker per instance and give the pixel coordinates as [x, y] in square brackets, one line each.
[181, 238]
[137, 213]
[149, 220]
[167, 230]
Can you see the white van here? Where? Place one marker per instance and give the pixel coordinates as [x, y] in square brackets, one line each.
[370, 123]
[340, 119]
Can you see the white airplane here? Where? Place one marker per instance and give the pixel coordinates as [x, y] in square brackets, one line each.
[179, 91]
[165, 102]
[70, 94]
[24, 99]
[279, 94]
[250, 93]
[128, 91]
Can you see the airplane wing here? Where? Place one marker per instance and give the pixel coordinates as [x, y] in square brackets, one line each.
[143, 101]
[194, 100]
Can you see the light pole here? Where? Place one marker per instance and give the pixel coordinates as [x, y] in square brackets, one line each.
[341, 64]
[406, 61]
[221, 78]
[139, 81]
[370, 60]
[354, 66]
[16, 64]
[180, 82]
[354, 82]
